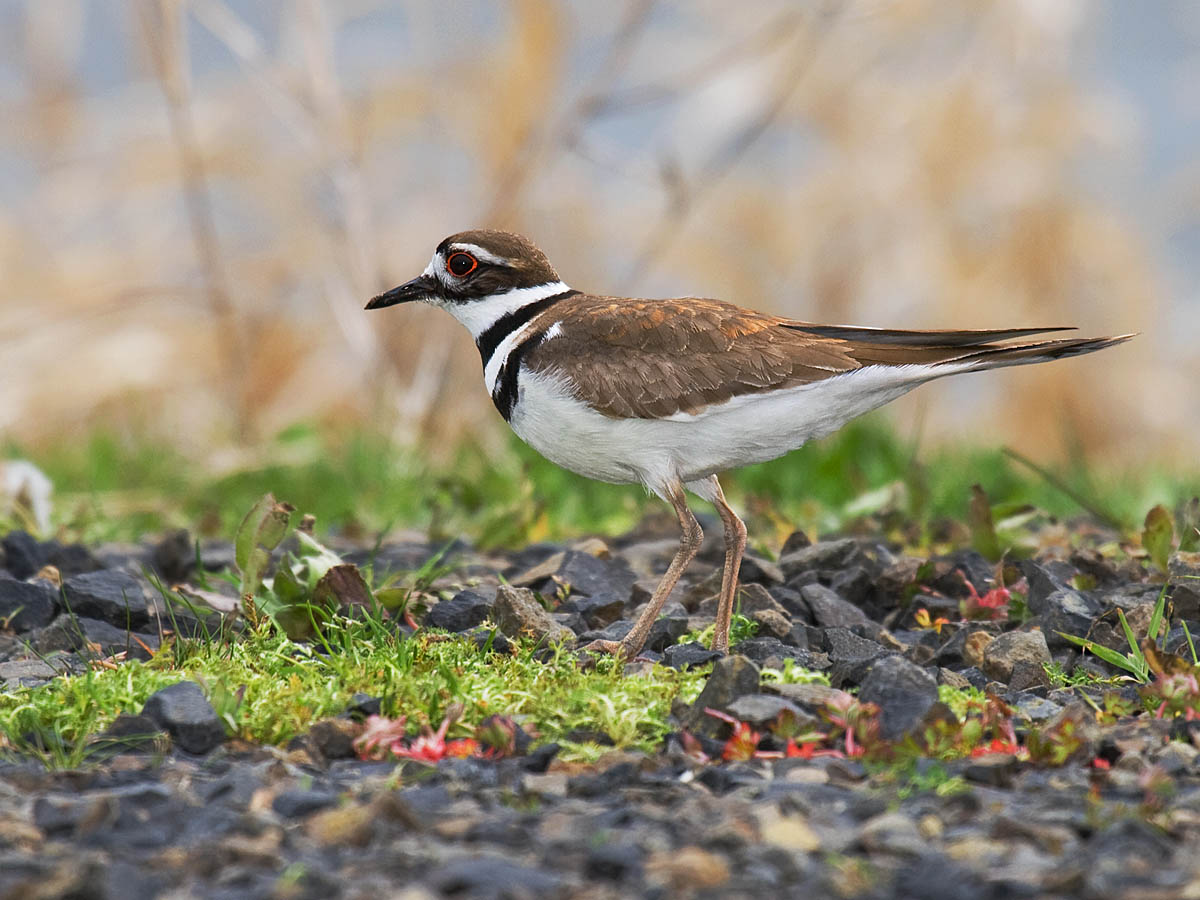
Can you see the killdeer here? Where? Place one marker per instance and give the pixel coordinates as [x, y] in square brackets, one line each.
[669, 393]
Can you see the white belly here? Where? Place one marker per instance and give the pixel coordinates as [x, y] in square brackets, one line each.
[688, 447]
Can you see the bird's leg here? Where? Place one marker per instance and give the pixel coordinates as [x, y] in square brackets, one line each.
[690, 538]
[735, 546]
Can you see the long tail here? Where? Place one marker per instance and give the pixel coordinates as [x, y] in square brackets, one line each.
[957, 350]
[995, 356]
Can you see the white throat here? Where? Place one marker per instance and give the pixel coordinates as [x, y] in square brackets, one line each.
[480, 315]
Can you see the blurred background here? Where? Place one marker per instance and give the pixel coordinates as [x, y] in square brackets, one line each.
[198, 196]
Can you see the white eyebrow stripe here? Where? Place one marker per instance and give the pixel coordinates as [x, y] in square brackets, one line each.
[553, 331]
[480, 254]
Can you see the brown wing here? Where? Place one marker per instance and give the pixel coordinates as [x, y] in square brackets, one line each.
[651, 358]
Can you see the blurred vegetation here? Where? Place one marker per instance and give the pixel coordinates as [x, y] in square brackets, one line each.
[197, 197]
[359, 483]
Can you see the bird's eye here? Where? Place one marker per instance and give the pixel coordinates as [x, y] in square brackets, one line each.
[461, 264]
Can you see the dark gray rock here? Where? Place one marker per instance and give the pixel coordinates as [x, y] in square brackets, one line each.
[963, 564]
[665, 631]
[22, 554]
[856, 584]
[493, 876]
[1032, 707]
[77, 632]
[850, 656]
[828, 610]
[904, 693]
[334, 738]
[129, 733]
[463, 611]
[822, 556]
[1043, 579]
[174, 557]
[596, 610]
[617, 861]
[679, 656]
[583, 573]
[769, 651]
[759, 711]
[69, 559]
[732, 677]
[295, 804]
[185, 714]
[493, 638]
[756, 570]
[25, 605]
[614, 632]
[1008, 649]
[25, 673]
[1066, 611]
[111, 595]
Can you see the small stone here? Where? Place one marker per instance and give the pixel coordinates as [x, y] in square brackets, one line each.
[129, 733]
[829, 610]
[797, 540]
[23, 555]
[992, 770]
[492, 876]
[773, 623]
[334, 738]
[25, 605]
[1027, 675]
[1066, 612]
[825, 555]
[1008, 649]
[110, 595]
[687, 870]
[692, 654]
[788, 832]
[25, 673]
[760, 711]
[462, 612]
[518, 613]
[484, 636]
[175, 555]
[618, 861]
[76, 633]
[812, 697]
[953, 679]
[756, 570]
[665, 631]
[732, 677]
[185, 714]
[851, 656]
[297, 804]
[904, 693]
[597, 610]
[893, 833]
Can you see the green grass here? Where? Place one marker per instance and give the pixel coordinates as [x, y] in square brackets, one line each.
[118, 488]
[270, 689]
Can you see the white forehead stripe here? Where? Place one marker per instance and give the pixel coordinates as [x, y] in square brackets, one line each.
[480, 254]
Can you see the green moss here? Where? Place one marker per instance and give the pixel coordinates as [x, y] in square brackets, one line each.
[270, 689]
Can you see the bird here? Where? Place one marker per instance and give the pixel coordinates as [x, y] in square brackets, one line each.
[671, 393]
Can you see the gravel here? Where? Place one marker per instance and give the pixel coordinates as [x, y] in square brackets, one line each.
[174, 808]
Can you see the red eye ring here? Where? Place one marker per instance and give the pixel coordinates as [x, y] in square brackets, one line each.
[460, 264]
